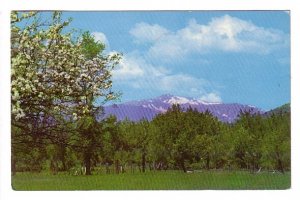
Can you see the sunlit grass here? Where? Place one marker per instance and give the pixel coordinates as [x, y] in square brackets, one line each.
[158, 180]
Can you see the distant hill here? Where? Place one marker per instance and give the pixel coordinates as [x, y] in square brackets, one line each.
[149, 108]
[286, 108]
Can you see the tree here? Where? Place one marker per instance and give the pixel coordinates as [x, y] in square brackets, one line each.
[51, 72]
[160, 144]
[141, 142]
[276, 145]
[55, 78]
[176, 137]
[91, 48]
[241, 146]
[207, 131]
[115, 143]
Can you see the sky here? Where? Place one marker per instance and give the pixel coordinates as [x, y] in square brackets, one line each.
[215, 56]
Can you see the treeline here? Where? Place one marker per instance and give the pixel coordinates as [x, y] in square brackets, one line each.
[60, 80]
[178, 139]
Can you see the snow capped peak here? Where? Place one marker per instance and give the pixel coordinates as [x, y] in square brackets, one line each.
[181, 100]
[171, 99]
[207, 103]
[149, 108]
[165, 96]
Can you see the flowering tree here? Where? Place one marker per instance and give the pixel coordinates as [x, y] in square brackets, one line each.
[54, 78]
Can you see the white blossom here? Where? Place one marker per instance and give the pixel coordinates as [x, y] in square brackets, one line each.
[48, 67]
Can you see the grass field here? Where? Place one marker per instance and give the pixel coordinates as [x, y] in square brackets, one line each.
[164, 180]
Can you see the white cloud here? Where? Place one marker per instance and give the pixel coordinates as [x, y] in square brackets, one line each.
[130, 67]
[228, 34]
[136, 72]
[284, 61]
[182, 82]
[169, 47]
[188, 86]
[139, 73]
[211, 97]
[101, 37]
[144, 32]
[133, 66]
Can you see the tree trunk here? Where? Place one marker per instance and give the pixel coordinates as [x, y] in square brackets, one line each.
[280, 166]
[53, 167]
[279, 163]
[117, 166]
[139, 166]
[131, 167]
[150, 166]
[107, 168]
[63, 157]
[183, 165]
[13, 166]
[207, 162]
[143, 162]
[87, 162]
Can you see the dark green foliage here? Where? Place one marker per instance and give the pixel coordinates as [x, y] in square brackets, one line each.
[276, 147]
[52, 141]
[189, 136]
[90, 47]
[178, 139]
[284, 109]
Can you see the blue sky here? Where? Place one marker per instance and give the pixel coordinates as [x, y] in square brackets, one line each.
[216, 56]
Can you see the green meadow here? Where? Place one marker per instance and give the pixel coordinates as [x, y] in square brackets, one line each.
[156, 180]
[77, 106]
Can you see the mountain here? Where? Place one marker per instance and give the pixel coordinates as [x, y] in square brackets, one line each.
[286, 108]
[148, 108]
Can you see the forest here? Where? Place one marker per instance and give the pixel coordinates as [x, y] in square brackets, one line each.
[177, 140]
[58, 76]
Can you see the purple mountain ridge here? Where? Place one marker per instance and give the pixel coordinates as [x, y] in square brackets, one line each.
[149, 108]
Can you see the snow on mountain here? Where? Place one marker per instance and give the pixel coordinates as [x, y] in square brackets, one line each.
[148, 108]
[181, 100]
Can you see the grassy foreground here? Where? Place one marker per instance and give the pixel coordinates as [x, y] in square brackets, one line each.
[164, 180]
